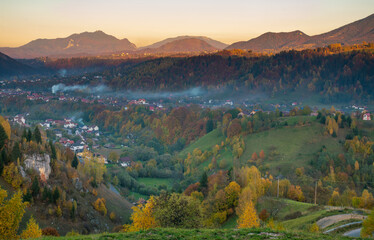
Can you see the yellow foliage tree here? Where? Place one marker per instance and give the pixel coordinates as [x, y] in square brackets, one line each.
[32, 230]
[93, 166]
[11, 213]
[248, 218]
[99, 205]
[6, 126]
[314, 228]
[368, 226]
[232, 194]
[142, 217]
[12, 175]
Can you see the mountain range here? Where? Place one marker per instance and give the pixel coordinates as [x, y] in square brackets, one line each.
[100, 43]
[353, 33]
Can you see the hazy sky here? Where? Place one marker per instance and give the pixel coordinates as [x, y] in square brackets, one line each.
[147, 21]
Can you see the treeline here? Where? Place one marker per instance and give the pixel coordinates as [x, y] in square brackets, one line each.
[339, 77]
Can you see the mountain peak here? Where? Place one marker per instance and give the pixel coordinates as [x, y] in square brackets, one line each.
[78, 44]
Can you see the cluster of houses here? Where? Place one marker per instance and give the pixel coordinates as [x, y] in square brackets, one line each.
[20, 119]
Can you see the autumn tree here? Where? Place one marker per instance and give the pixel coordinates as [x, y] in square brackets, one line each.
[262, 154]
[32, 230]
[248, 217]
[93, 167]
[11, 213]
[6, 126]
[178, 211]
[335, 199]
[368, 226]
[11, 175]
[232, 194]
[99, 206]
[113, 156]
[254, 156]
[142, 216]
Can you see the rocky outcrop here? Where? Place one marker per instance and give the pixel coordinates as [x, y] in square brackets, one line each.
[40, 163]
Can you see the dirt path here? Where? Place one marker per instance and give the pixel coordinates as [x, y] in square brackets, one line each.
[327, 221]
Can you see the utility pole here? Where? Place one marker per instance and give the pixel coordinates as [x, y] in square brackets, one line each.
[315, 194]
[278, 188]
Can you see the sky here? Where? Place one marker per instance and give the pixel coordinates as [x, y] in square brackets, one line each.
[147, 21]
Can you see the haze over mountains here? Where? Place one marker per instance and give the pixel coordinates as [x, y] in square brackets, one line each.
[99, 43]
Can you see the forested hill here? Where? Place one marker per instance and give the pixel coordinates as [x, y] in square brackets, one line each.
[320, 70]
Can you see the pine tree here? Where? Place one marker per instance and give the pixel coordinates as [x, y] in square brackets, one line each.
[24, 134]
[16, 152]
[55, 195]
[75, 162]
[27, 197]
[35, 189]
[204, 181]
[53, 150]
[3, 137]
[37, 135]
[29, 135]
[209, 126]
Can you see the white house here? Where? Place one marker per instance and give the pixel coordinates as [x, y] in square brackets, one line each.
[366, 117]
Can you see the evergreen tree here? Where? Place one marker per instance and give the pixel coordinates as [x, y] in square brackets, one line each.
[47, 194]
[37, 135]
[27, 197]
[75, 162]
[53, 150]
[204, 181]
[24, 134]
[16, 152]
[1, 164]
[55, 195]
[4, 157]
[29, 135]
[3, 136]
[35, 189]
[209, 126]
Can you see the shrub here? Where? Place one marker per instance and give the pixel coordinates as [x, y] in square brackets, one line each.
[293, 215]
[50, 231]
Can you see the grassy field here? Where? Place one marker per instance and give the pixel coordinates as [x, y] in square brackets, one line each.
[137, 196]
[231, 222]
[156, 182]
[283, 207]
[219, 234]
[295, 146]
[204, 143]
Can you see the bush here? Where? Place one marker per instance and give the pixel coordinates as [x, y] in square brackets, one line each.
[293, 215]
[50, 231]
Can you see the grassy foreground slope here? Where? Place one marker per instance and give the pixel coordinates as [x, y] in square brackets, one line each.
[222, 234]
